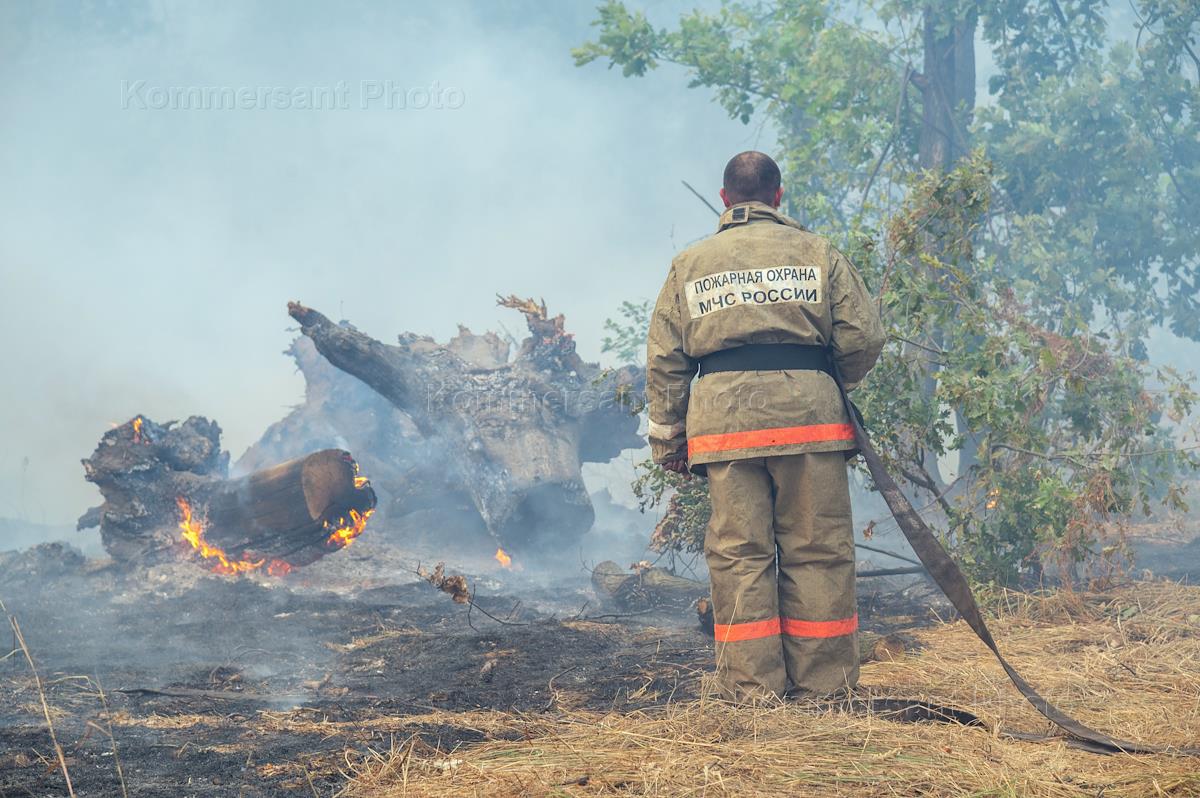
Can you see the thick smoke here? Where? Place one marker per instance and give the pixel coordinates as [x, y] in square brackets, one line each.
[148, 253]
[157, 220]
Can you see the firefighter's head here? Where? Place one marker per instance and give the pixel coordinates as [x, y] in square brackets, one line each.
[752, 175]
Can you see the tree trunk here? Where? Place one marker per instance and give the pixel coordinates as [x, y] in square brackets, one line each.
[947, 85]
[514, 433]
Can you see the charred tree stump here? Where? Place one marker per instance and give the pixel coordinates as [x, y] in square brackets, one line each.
[141, 468]
[517, 431]
[166, 492]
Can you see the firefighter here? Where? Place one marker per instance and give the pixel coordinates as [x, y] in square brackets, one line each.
[758, 314]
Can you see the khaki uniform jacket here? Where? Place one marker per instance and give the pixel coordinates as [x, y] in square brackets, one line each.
[761, 279]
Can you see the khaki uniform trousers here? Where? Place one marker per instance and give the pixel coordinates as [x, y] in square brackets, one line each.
[780, 552]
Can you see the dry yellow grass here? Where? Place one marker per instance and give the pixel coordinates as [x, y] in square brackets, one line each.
[1126, 662]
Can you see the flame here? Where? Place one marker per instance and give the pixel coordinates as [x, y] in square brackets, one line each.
[279, 568]
[360, 481]
[343, 531]
[137, 429]
[503, 558]
[193, 533]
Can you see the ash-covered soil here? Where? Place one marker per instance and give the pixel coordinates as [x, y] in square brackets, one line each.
[204, 685]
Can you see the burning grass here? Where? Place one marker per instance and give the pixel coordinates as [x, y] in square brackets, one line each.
[1126, 662]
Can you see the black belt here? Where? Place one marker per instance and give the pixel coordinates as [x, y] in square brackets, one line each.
[768, 357]
[774, 357]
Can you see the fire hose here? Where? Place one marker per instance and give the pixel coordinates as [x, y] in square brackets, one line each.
[949, 577]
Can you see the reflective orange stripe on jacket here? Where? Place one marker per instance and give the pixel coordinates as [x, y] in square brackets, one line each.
[777, 436]
[793, 627]
[751, 630]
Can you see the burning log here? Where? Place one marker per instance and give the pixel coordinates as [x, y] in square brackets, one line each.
[512, 435]
[165, 485]
[288, 515]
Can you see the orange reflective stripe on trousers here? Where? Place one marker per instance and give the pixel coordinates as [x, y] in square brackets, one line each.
[794, 627]
[751, 630]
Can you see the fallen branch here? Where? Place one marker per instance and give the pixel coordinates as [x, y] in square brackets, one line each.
[456, 586]
[865, 547]
[647, 586]
[917, 569]
[220, 695]
[460, 591]
[111, 737]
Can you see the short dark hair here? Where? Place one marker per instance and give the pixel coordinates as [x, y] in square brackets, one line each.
[751, 175]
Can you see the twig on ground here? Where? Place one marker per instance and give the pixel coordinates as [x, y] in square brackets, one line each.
[111, 737]
[471, 603]
[615, 615]
[311, 786]
[511, 612]
[219, 695]
[37, 679]
[550, 686]
[455, 586]
[471, 606]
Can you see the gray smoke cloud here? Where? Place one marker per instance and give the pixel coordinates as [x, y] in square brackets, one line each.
[168, 187]
[174, 173]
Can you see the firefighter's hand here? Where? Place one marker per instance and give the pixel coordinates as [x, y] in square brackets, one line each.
[679, 466]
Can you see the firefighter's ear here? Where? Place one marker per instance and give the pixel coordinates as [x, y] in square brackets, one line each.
[778, 196]
[725, 199]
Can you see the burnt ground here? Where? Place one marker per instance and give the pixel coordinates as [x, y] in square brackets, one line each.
[254, 686]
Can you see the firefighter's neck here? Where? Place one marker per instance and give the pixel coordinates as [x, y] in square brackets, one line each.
[775, 204]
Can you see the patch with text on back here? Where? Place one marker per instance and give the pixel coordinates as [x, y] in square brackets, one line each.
[753, 287]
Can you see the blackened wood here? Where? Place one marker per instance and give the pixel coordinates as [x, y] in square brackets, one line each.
[284, 508]
[514, 434]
